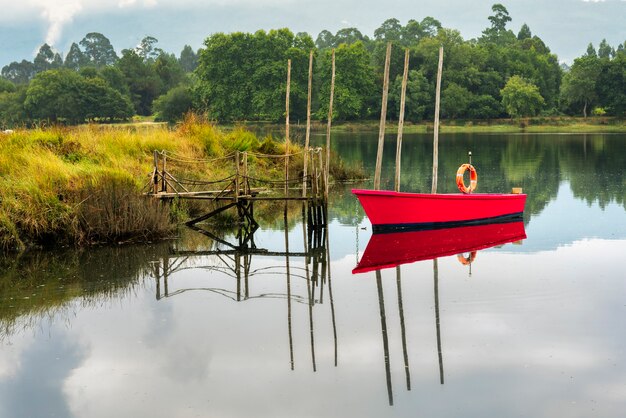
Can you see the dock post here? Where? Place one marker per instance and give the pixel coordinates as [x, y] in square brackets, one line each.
[246, 184]
[163, 180]
[155, 178]
[236, 176]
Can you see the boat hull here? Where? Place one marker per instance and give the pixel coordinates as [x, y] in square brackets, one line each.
[390, 211]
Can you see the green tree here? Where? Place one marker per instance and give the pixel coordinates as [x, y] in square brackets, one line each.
[419, 97]
[53, 95]
[591, 51]
[605, 50]
[147, 49]
[142, 80]
[99, 101]
[521, 98]
[390, 30]
[354, 83]
[348, 36]
[169, 71]
[524, 33]
[98, 50]
[47, 59]
[188, 59]
[325, 39]
[173, 105]
[497, 32]
[64, 95]
[75, 59]
[455, 101]
[611, 85]
[242, 75]
[116, 79]
[19, 72]
[12, 111]
[6, 86]
[579, 84]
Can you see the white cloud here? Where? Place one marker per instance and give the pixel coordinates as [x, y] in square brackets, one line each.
[57, 16]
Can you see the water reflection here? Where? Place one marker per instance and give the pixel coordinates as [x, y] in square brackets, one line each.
[394, 249]
[235, 260]
[194, 326]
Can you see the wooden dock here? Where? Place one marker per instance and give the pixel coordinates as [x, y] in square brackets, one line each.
[241, 188]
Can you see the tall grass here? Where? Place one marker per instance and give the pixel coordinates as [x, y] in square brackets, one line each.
[83, 185]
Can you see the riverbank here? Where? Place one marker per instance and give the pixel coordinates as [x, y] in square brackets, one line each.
[85, 185]
[557, 124]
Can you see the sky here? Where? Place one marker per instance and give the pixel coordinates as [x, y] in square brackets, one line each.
[566, 26]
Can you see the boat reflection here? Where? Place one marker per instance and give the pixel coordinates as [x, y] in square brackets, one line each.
[390, 250]
[394, 249]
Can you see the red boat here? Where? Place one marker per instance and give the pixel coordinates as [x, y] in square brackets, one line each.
[392, 249]
[390, 211]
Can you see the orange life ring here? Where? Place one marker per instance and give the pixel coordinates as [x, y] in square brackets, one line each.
[466, 260]
[460, 183]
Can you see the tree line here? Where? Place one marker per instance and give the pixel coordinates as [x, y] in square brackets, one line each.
[241, 76]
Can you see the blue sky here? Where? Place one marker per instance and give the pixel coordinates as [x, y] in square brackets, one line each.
[567, 26]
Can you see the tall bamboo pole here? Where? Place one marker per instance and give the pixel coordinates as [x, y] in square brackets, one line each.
[405, 77]
[287, 127]
[330, 120]
[436, 135]
[308, 125]
[383, 118]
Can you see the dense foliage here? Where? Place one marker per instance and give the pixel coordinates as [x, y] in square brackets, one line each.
[241, 76]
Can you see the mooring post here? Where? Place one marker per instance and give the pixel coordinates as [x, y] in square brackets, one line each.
[330, 121]
[308, 126]
[383, 119]
[287, 128]
[405, 77]
[436, 122]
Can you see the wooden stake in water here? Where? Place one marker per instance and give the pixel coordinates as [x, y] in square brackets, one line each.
[330, 120]
[383, 118]
[308, 126]
[436, 135]
[287, 127]
[405, 77]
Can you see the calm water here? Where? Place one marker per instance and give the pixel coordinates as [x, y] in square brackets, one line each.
[174, 329]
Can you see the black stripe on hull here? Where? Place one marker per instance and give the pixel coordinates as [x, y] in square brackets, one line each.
[503, 219]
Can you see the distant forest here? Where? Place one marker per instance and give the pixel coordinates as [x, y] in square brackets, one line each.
[242, 76]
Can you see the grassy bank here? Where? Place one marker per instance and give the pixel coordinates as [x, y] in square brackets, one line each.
[68, 186]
